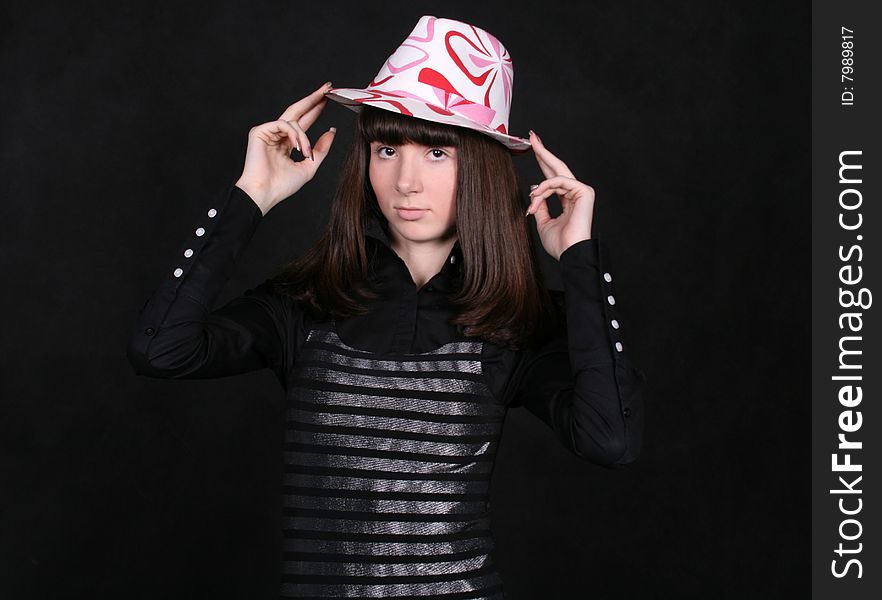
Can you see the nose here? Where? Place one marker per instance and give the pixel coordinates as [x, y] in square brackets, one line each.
[409, 179]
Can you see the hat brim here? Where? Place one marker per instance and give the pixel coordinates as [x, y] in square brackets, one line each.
[354, 99]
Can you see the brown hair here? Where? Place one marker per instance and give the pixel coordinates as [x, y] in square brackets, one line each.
[501, 299]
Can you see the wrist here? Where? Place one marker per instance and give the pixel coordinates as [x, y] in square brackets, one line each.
[579, 251]
[257, 193]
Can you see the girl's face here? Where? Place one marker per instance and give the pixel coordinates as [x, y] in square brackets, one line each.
[415, 186]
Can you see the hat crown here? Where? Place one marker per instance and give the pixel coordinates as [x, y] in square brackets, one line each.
[454, 66]
[448, 72]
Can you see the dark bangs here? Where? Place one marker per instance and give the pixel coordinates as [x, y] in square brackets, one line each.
[379, 125]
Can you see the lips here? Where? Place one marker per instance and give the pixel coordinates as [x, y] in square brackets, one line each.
[410, 214]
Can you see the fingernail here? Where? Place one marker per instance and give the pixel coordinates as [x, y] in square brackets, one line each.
[328, 84]
[297, 146]
[333, 130]
[533, 187]
[532, 132]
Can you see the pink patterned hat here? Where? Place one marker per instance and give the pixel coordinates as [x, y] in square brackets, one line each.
[445, 71]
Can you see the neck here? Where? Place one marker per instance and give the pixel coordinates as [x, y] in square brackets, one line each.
[423, 259]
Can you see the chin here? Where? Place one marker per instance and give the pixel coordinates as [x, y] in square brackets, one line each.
[419, 232]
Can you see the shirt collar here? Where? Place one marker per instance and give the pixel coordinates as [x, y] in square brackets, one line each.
[386, 265]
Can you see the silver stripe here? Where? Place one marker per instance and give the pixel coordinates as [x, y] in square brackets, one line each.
[430, 486]
[385, 382]
[388, 548]
[384, 569]
[394, 423]
[345, 440]
[353, 526]
[456, 366]
[415, 507]
[430, 407]
[395, 589]
[312, 459]
[461, 347]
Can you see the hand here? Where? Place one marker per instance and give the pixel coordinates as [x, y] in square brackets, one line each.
[577, 200]
[270, 175]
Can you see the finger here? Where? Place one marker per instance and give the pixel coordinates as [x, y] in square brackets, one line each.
[568, 190]
[296, 135]
[544, 166]
[312, 114]
[553, 185]
[302, 106]
[557, 165]
[540, 212]
[271, 134]
[302, 144]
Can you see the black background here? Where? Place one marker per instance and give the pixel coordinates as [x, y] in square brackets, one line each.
[120, 121]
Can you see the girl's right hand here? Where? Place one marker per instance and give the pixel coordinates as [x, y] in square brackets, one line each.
[270, 175]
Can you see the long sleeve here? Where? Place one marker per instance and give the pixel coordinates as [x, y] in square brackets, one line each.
[581, 382]
[177, 335]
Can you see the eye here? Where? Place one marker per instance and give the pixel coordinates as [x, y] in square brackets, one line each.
[437, 153]
[381, 151]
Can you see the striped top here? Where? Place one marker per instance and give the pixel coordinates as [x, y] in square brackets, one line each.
[388, 461]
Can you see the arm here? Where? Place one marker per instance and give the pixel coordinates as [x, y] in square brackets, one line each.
[579, 382]
[177, 335]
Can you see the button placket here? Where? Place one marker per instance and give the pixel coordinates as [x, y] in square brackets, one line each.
[190, 252]
[610, 300]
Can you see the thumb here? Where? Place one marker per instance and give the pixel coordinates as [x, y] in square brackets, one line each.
[323, 145]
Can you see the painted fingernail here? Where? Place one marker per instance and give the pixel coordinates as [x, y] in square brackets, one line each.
[333, 130]
[532, 132]
[297, 147]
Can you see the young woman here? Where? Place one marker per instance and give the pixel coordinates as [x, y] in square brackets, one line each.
[406, 332]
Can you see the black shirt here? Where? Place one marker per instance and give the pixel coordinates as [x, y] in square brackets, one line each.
[581, 382]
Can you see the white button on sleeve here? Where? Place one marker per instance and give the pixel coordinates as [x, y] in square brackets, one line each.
[452, 259]
[614, 323]
[200, 232]
[619, 346]
[188, 252]
[212, 213]
[610, 299]
[178, 272]
[607, 277]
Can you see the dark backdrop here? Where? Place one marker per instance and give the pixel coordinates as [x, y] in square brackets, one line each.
[121, 120]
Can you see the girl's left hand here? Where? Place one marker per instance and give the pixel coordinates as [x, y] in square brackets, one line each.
[576, 198]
